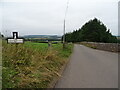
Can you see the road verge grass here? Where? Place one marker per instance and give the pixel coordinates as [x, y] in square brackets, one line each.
[88, 45]
[32, 65]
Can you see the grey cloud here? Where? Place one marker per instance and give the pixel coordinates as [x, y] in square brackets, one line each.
[46, 16]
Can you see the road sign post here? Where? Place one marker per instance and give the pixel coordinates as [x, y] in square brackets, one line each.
[15, 40]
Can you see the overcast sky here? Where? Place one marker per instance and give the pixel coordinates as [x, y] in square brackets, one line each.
[46, 16]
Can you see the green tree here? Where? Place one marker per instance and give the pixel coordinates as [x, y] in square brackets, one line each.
[92, 31]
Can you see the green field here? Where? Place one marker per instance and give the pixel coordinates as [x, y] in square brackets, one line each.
[32, 65]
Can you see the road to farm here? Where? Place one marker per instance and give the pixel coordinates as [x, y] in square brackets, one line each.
[90, 68]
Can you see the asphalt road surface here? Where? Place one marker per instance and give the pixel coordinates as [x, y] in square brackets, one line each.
[90, 68]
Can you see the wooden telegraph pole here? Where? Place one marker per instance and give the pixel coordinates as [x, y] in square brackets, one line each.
[64, 35]
[64, 26]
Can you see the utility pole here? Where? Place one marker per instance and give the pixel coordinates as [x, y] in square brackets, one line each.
[64, 27]
[64, 35]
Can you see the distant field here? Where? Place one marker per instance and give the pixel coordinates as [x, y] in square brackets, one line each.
[32, 65]
[42, 47]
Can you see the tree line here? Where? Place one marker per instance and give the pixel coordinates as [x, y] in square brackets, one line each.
[92, 31]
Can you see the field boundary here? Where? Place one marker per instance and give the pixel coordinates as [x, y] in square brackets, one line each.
[111, 47]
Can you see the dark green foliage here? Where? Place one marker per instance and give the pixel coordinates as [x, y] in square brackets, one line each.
[92, 31]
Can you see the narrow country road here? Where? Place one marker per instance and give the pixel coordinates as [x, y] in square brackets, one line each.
[90, 68]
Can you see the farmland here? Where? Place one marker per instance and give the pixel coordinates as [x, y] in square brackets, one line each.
[32, 65]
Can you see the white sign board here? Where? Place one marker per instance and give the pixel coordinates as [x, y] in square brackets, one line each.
[15, 39]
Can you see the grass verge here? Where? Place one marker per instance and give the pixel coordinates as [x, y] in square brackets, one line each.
[32, 65]
[88, 45]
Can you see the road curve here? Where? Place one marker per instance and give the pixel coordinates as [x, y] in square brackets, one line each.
[90, 68]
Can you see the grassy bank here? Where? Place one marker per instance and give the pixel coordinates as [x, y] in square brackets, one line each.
[88, 45]
[32, 65]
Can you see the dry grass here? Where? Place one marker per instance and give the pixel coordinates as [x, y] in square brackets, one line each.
[26, 67]
[88, 45]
